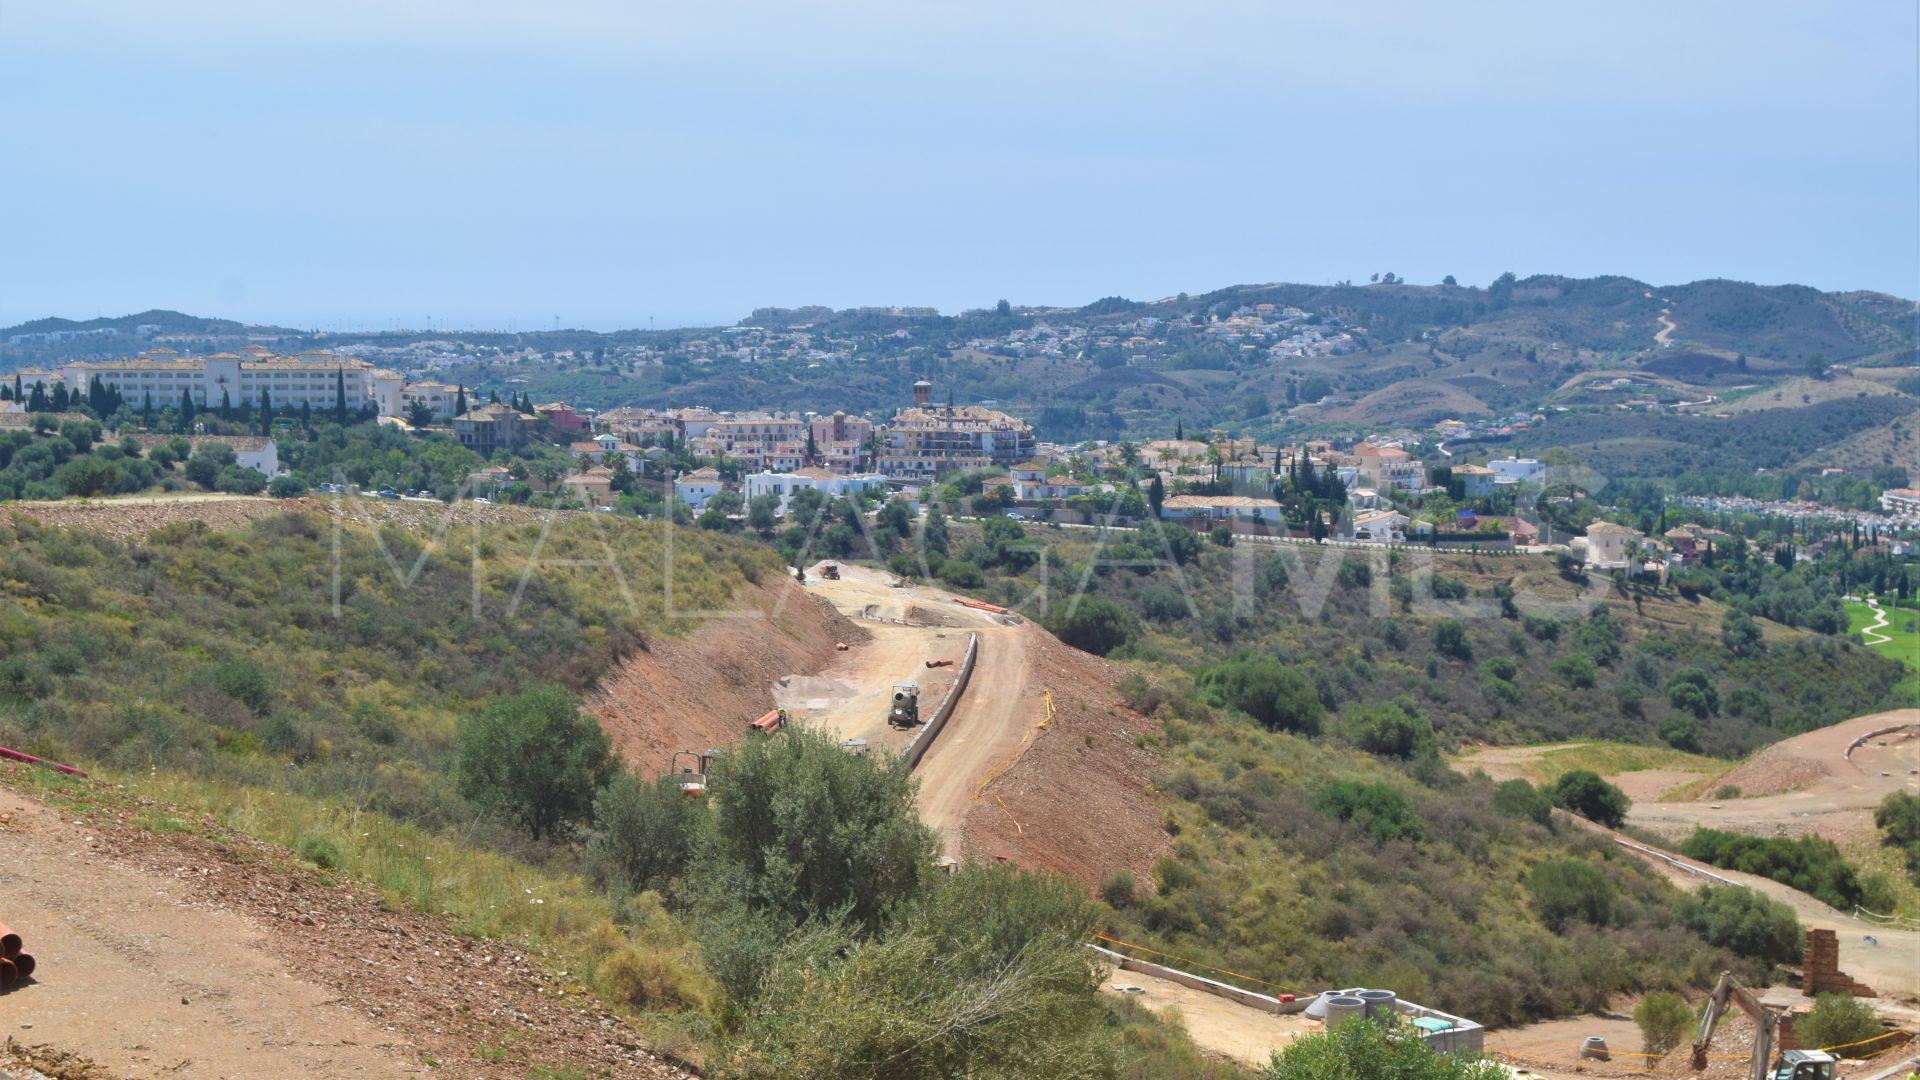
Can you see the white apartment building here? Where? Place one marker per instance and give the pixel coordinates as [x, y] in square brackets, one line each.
[1901, 502]
[313, 378]
[1518, 471]
[831, 484]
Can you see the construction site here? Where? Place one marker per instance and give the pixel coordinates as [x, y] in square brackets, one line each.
[978, 697]
[1024, 752]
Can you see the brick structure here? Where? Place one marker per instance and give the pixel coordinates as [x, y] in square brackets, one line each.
[1822, 968]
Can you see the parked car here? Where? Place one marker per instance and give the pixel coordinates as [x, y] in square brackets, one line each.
[483, 501]
[389, 493]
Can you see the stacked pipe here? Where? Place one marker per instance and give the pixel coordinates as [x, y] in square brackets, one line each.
[15, 964]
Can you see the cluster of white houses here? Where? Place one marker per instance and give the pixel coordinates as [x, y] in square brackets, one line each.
[784, 453]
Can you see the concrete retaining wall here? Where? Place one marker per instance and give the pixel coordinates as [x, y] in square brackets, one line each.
[1200, 982]
[923, 739]
[1647, 852]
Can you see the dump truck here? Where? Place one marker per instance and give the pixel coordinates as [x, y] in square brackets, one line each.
[906, 705]
[830, 571]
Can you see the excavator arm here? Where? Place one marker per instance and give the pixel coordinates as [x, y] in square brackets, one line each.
[1725, 991]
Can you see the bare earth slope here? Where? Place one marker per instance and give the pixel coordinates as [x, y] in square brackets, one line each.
[207, 954]
[701, 691]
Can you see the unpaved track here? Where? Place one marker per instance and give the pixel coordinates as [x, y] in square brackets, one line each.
[1839, 805]
[1870, 633]
[1892, 967]
[991, 721]
[131, 977]
[988, 727]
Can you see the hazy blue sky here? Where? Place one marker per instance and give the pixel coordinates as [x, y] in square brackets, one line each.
[360, 162]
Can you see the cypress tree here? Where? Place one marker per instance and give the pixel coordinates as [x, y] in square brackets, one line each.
[226, 404]
[266, 412]
[340, 396]
[61, 402]
[186, 412]
[460, 402]
[146, 412]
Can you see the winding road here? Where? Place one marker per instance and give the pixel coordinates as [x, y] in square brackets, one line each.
[910, 625]
[1871, 632]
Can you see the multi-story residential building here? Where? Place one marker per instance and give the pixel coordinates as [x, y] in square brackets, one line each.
[1612, 547]
[315, 379]
[441, 399]
[842, 443]
[561, 417]
[1901, 502]
[1518, 471]
[926, 441]
[1387, 468]
[1475, 480]
[492, 427]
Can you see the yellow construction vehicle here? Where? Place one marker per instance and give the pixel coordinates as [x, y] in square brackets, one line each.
[693, 775]
[1790, 1065]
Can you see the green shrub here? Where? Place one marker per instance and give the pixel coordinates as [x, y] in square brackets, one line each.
[962, 574]
[1663, 1019]
[1117, 888]
[534, 758]
[807, 831]
[644, 831]
[1567, 891]
[1093, 624]
[243, 681]
[1692, 690]
[1810, 864]
[1583, 792]
[647, 980]
[1746, 923]
[320, 851]
[1363, 1050]
[1519, 799]
[1682, 732]
[1450, 639]
[985, 975]
[1837, 1020]
[1379, 810]
[1271, 692]
[1577, 669]
[1397, 729]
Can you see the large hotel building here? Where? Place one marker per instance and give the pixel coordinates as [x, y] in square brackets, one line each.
[311, 378]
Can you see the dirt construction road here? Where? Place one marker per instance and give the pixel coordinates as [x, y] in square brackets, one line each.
[911, 625]
[149, 986]
[1837, 804]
